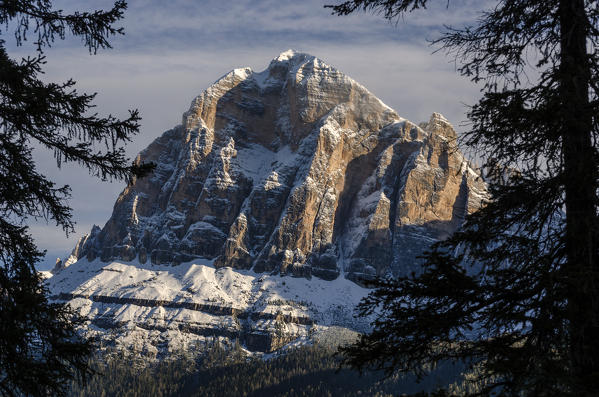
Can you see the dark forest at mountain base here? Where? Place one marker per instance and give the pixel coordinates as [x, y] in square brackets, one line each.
[305, 371]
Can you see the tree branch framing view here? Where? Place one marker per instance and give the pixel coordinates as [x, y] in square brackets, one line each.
[519, 302]
[40, 349]
[511, 294]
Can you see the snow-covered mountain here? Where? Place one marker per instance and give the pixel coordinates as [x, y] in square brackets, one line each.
[278, 193]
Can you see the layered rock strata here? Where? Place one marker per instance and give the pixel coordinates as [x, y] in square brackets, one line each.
[159, 309]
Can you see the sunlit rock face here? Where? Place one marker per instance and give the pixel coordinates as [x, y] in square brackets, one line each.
[296, 170]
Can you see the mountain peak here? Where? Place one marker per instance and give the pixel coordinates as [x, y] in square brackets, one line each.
[440, 126]
[291, 55]
[290, 170]
[294, 171]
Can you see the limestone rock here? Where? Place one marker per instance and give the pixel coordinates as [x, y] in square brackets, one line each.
[295, 170]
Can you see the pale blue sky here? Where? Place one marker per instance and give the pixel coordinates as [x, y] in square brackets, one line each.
[173, 50]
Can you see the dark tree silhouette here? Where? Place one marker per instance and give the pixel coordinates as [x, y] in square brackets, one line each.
[515, 293]
[39, 346]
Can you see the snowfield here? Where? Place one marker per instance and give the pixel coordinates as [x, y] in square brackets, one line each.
[155, 309]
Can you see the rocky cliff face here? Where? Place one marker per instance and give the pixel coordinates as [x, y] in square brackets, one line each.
[294, 170]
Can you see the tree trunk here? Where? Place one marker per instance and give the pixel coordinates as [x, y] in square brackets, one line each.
[580, 197]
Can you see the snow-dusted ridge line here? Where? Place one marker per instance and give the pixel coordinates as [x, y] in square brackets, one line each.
[263, 79]
[147, 305]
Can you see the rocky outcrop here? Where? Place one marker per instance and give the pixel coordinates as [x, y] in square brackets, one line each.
[294, 170]
[77, 252]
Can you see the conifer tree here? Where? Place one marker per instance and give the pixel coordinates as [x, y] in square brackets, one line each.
[39, 346]
[515, 292]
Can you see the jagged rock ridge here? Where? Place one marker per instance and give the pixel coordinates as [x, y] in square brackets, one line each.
[295, 170]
